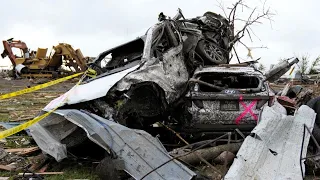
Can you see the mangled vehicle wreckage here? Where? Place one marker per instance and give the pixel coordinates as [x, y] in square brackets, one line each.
[218, 97]
[165, 76]
[146, 76]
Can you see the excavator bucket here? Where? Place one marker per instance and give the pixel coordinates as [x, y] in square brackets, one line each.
[41, 53]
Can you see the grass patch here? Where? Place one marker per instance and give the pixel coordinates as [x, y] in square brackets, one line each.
[75, 173]
[4, 117]
[72, 172]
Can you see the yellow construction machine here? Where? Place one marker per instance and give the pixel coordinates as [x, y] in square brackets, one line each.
[62, 60]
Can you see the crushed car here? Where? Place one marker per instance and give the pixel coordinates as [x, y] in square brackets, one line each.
[151, 73]
[176, 75]
[137, 84]
[222, 97]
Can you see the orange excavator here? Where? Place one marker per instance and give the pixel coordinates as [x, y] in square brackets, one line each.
[38, 64]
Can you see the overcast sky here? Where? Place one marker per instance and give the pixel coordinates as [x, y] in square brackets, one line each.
[97, 25]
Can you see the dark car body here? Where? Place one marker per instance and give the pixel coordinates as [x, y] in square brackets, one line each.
[226, 97]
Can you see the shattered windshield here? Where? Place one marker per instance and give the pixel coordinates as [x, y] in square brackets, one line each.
[216, 82]
[122, 55]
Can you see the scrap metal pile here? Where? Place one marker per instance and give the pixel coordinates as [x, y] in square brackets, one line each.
[168, 105]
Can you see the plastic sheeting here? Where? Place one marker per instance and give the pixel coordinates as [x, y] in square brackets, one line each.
[140, 152]
[273, 150]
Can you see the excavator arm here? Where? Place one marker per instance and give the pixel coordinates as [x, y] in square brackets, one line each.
[73, 58]
[9, 44]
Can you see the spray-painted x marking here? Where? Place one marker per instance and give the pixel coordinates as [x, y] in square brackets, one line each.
[246, 110]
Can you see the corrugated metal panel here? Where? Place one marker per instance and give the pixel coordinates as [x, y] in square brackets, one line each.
[139, 151]
[273, 150]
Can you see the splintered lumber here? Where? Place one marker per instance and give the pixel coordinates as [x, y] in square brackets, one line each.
[22, 151]
[208, 153]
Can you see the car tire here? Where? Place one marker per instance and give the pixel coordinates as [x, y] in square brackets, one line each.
[315, 105]
[210, 52]
[145, 106]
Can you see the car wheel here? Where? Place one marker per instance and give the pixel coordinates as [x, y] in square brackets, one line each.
[211, 52]
[315, 105]
[145, 106]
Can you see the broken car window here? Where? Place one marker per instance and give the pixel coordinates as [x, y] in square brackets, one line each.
[226, 82]
[122, 55]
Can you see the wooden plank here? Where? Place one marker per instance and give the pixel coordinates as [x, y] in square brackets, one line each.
[29, 151]
[14, 150]
[43, 173]
[37, 75]
[22, 151]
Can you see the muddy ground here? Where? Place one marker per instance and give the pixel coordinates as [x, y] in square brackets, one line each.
[26, 107]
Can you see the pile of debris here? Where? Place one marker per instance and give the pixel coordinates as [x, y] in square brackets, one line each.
[5, 73]
[168, 105]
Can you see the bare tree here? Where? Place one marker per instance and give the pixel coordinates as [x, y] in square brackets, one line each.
[313, 66]
[265, 14]
[261, 67]
[255, 17]
[304, 66]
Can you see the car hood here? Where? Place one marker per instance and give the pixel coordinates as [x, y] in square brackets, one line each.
[89, 91]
